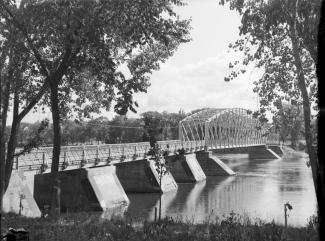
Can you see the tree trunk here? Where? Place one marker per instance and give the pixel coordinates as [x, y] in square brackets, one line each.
[321, 77]
[55, 208]
[160, 179]
[12, 140]
[4, 111]
[316, 172]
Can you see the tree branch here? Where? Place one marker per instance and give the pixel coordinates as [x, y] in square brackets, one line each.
[34, 101]
[20, 27]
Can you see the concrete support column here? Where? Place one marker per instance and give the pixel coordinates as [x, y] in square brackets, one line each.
[141, 177]
[277, 149]
[19, 198]
[261, 152]
[84, 189]
[211, 165]
[185, 168]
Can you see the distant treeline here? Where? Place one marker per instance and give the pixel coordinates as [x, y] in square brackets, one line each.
[120, 129]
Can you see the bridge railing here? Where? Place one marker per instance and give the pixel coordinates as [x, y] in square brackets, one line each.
[40, 159]
[273, 139]
[82, 155]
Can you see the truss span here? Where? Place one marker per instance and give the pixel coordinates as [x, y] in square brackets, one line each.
[219, 128]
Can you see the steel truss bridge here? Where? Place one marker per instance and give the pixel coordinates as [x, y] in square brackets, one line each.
[208, 129]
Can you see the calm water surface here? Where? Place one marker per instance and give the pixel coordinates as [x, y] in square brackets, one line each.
[259, 190]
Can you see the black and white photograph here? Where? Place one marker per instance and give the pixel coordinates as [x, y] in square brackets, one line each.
[156, 120]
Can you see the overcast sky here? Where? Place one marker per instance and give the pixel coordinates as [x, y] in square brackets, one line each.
[194, 76]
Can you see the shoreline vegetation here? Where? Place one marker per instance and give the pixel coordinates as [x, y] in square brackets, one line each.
[86, 227]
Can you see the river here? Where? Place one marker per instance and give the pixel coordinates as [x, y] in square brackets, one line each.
[258, 191]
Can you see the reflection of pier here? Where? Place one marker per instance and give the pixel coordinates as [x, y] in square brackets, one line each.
[187, 201]
[233, 193]
[166, 201]
[143, 205]
[192, 199]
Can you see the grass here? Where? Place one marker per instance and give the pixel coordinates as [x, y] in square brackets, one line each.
[85, 226]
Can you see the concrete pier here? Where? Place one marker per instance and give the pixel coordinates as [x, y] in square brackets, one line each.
[262, 152]
[230, 150]
[19, 198]
[141, 177]
[84, 189]
[211, 165]
[277, 149]
[185, 168]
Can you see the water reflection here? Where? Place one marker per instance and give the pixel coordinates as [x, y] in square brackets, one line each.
[260, 189]
[143, 205]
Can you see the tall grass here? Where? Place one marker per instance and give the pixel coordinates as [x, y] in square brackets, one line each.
[85, 227]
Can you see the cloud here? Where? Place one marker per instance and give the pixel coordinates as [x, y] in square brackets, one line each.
[198, 85]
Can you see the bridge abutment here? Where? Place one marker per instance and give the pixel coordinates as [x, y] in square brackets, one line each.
[83, 189]
[185, 168]
[141, 177]
[277, 149]
[19, 198]
[261, 152]
[212, 165]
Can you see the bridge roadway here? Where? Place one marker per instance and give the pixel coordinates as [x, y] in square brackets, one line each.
[99, 155]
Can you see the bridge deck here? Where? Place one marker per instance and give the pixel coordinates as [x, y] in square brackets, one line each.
[90, 155]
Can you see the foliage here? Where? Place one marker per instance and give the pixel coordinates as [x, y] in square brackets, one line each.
[125, 130]
[101, 130]
[36, 140]
[161, 126]
[288, 122]
[158, 155]
[90, 227]
[266, 42]
[97, 51]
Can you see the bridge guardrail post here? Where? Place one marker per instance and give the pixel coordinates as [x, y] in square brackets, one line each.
[134, 157]
[16, 162]
[43, 166]
[109, 155]
[144, 151]
[97, 160]
[123, 157]
[64, 156]
[65, 163]
[83, 157]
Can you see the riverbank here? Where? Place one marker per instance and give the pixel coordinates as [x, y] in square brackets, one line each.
[85, 227]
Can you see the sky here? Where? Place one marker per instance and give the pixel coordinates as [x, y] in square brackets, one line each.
[194, 76]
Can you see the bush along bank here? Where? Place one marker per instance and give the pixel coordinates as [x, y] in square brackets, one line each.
[86, 227]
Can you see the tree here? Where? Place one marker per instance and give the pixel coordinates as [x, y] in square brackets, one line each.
[170, 123]
[20, 90]
[161, 168]
[153, 127]
[80, 48]
[161, 126]
[288, 122]
[281, 37]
